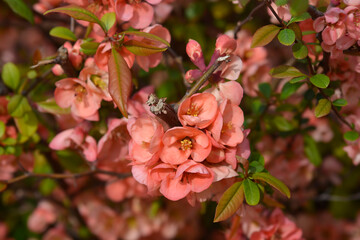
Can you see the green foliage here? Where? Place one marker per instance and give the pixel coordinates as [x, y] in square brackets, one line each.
[300, 51]
[340, 102]
[230, 202]
[264, 35]
[285, 71]
[300, 18]
[27, 124]
[281, 2]
[147, 36]
[20, 8]
[311, 150]
[351, 135]
[11, 75]
[18, 106]
[142, 49]
[286, 37]
[89, 48]
[298, 7]
[274, 182]
[320, 80]
[252, 192]
[109, 20]
[323, 108]
[297, 79]
[63, 32]
[289, 89]
[2, 129]
[265, 89]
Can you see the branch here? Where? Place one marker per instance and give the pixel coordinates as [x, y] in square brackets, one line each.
[247, 19]
[268, 4]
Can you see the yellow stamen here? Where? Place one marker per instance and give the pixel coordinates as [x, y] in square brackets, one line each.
[186, 144]
[193, 110]
[98, 81]
[79, 92]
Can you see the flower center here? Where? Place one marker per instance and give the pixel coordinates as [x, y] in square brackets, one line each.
[98, 81]
[80, 91]
[357, 18]
[227, 126]
[186, 144]
[193, 110]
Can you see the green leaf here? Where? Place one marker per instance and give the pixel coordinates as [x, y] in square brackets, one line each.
[252, 192]
[50, 106]
[109, 20]
[21, 9]
[142, 49]
[320, 80]
[284, 71]
[297, 79]
[47, 186]
[78, 13]
[148, 36]
[286, 37]
[289, 89]
[323, 108]
[311, 150]
[281, 2]
[72, 161]
[265, 89]
[340, 102]
[89, 48]
[27, 124]
[64, 33]
[273, 181]
[230, 202]
[297, 30]
[351, 135]
[264, 35]
[119, 81]
[300, 51]
[298, 7]
[18, 106]
[256, 166]
[2, 128]
[300, 18]
[282, 124]
[11, 75]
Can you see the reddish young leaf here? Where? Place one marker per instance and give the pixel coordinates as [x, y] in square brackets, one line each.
[230, 202]
[79, 13]
[147, 35]
[119, 81]
[142, 49]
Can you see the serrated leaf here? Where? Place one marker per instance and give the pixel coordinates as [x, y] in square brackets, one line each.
[11, 75]
[265, 89]
[109, 20]
[286, 37]
[273, 181]
[340, 102]
[78, 13]
[351, 135]
[252, 192]
[323, 108]
[18, 106]
[89, 48]
[142, 49]
[311, 150]
[300, 51]
[230, 202]
[63, 32]
[27, 124]
[298, 7]
[50, 106]
[147, 35]
[284, 71]
[21, 9]
[297, 79]
[320, 80]
[264, 35]
[119, 81]
[289, 89]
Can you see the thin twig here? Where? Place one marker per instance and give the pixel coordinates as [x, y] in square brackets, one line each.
[247, 19]
[268, 4]
[35, 83]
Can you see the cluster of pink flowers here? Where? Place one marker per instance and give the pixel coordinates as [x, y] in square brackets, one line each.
[183, 160]
[339, 28]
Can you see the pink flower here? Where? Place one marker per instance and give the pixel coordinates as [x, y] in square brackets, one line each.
[56, 233]
[146, 62]
[178, 182]
[231, 90]
[75, 93]
[138, 13]
[146, 139]
[353, 151]
[182, 142]
[224, 46]
[352, 22]
[44, 215]
[137, 103]
[199, 110]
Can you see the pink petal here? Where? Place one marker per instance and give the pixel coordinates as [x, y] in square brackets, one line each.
[142, 16]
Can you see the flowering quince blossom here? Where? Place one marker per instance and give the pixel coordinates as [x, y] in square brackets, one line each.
[138, 13]
[76, 138]
[224, 46]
